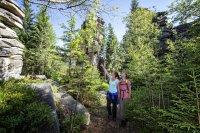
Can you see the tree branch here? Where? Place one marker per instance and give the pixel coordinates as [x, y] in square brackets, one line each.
[68, 6]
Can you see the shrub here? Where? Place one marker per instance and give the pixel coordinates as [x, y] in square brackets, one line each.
[72, 123]
[20, 109]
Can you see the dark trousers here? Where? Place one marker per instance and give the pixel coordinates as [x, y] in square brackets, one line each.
[113, 101]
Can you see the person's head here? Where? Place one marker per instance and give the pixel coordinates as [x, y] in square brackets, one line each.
[124, 75]
[115, 75]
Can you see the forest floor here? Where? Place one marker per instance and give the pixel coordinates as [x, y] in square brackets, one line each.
[101, 124]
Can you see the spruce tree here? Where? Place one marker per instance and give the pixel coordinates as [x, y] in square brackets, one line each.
[134, 5]
[68, 36]
[111, 48]
[25, 36]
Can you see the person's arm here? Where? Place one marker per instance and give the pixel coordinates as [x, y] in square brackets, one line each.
[129, 87]
[105, 71]
[118, 90]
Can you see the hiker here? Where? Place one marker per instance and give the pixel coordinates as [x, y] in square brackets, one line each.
[112, 94]
[124, 94]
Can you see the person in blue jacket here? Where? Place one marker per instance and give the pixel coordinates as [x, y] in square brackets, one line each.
[112, 93]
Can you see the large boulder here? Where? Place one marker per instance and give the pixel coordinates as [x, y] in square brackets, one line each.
[46, 94]
[70, 104]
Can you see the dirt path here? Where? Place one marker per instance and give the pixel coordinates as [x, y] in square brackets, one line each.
[100, 123]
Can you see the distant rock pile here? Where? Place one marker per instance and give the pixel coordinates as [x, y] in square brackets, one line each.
[11, 49]
[168, 32]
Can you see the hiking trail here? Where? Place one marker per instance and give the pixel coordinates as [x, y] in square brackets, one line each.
[101, 124]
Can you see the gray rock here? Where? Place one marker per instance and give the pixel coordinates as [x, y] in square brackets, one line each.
[16, 57]
[70, 104]
[5, 52]
[12, 42]
[4, 45]
[12, 6]
[166, 35]
[2, 25]
[4, 66]
[10, 19]
[46, 94]
[7, 33]
[13, 51]
[17, 63]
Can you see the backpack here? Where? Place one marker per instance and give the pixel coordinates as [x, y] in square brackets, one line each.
[127, 88]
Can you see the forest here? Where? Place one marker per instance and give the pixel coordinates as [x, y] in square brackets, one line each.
[160, 52]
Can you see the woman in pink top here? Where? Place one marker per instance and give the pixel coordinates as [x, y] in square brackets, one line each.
[124, 93]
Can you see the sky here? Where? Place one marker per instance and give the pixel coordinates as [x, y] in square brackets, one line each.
[116, 20]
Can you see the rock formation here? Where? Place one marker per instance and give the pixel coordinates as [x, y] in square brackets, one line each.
[69, 104]
[61, 99]
[94, 50]
[44, 90]
[168, 32]
[11, 49]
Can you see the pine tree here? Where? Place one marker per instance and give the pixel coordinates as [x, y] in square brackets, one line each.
[44, 43]
[69, 35]
[183, 114]
[140, 42]
[39, 39]
[111, 48]
[134, 5]
[142, 65]
[28, 24]
[25, 36]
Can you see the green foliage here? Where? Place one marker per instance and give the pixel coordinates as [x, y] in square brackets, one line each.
[143, 67]
[134, 5]
[111, 50]
[83, 79]
[164, 95]
[182, 115]
[72, 123]
[40, 55]
[185, 10]
[140, 111]
[140, 46]
[91, 82]
[20, 109]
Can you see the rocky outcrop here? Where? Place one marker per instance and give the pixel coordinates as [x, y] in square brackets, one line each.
[11, 49]
[59, 98]
[45, 92]
[69, 104]
[168, 32]
[94, 50]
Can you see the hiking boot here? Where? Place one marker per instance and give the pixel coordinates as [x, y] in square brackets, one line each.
[123, 123]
